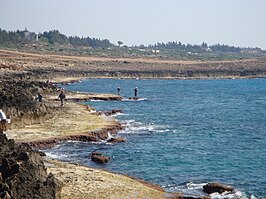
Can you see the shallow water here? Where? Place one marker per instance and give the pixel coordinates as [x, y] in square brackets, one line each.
[182, 134]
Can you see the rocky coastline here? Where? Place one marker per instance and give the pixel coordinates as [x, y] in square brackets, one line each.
[33, 127]
[94, 136]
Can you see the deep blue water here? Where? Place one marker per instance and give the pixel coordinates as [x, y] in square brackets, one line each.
[183, 133]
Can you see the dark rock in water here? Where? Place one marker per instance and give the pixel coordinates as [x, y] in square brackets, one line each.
[116, 140]
[23, 174]
[134, 98]
[98, 157]
[216, 187]
[112, 112]
[96, 153]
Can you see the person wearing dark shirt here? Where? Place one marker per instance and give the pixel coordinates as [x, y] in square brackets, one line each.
[62, 98]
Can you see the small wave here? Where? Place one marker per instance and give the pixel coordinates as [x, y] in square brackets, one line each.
[132, 126]
[119, 114]
[134, 100]
[192, 185]
[191, 189]
[228, 195]
[100, 142]
[55, 156]
[73, 141]
[141, 99]
[93, 100]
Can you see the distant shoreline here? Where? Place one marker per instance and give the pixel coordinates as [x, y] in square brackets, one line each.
[20, 65]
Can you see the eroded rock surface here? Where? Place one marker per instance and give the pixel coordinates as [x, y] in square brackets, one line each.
[23, 174]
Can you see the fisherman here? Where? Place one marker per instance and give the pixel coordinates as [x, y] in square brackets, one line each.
[39, 97]
[3, 120]
[118, 90]
[136, 91]
[62, 97]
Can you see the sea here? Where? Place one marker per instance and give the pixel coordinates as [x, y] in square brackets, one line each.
[182, 134]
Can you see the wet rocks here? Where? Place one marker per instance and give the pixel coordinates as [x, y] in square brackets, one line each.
[99, 158]
[116, 140]
[216, 187]
[112, 112]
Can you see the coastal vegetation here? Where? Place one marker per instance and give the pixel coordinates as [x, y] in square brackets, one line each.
[55, 42]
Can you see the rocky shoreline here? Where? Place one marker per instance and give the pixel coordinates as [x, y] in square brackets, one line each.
[43, 124]
[94, 136]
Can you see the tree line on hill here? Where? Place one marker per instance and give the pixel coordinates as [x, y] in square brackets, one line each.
[51, 37]
[55, 37]
[196, 48]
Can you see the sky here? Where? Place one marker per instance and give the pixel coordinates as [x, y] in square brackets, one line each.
[134, 22]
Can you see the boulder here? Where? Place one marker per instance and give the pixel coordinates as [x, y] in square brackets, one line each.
[100, 159]
[116, 140]
[114, 111]
[216, 187]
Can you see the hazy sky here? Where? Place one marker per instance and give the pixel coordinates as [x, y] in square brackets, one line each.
[234, 22]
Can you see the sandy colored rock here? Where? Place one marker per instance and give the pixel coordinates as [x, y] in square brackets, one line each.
[70, 120]
[52, 66]
[81, 182]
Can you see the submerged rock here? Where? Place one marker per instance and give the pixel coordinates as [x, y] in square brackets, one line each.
[98, 157]
[216, 187]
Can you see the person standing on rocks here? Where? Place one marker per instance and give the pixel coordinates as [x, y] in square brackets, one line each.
[135, 91]
[62, 97]
[3, 120]
[39, 97]
[118, 90]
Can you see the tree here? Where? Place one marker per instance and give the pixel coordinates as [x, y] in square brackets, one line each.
[120, 43]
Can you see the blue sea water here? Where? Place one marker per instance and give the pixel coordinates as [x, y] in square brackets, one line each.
[183, 133]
